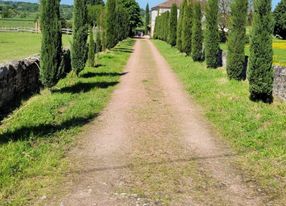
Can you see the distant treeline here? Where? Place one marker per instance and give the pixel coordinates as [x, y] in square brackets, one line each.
[26, 10]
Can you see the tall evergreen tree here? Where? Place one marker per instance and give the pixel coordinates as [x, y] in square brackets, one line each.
[260, 73]
[197, 33]
[236, 40]
[280, 19]
[80, 34]
[91, 48]
[111, 33]
[173, 25]
[180, 26]
[212, 34]
[147, 19]
[51, 49]
[187, 29]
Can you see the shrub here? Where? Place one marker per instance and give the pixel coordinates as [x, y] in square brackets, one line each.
[236, 40]
[51, 49]
[212, 49]
[260, 73]
[197, 33]
[80, 34]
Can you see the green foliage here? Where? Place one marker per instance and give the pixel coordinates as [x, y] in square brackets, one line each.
[28, 11]
[122, 19]
[187, 29]
[91, 48]
[134, 15]
[197, 33]
[260, 73]
[180, 27]
[173, 25]
[212, 34]
[147, 19]
[280, 19]
[236, 40]
[51, 49]
[80, 34]
[111, 32]
[162, 24]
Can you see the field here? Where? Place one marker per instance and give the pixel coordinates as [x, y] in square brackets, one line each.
[255, 130]
[279, 50]
[18, 45]
[34, 139]
[17, 23]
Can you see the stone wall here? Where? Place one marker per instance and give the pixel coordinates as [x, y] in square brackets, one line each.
[19, 79]
[280, 82]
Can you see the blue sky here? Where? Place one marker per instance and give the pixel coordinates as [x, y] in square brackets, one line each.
[141, 2]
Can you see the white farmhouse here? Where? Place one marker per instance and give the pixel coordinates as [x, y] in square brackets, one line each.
[160, 9]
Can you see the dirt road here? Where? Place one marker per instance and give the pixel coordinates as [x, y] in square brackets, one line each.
[152, 146]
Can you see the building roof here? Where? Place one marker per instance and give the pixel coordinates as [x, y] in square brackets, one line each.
[167, 4]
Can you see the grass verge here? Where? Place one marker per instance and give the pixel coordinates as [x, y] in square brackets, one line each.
[256, 130]
[36, 137]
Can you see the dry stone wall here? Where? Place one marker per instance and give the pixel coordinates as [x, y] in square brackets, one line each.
[21, 78]
[18, 78]
[280, 82]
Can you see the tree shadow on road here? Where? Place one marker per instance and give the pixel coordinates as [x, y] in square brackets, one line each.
[130, 166]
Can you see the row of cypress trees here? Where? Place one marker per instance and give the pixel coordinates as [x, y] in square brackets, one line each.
[112, 26]
[204, 45]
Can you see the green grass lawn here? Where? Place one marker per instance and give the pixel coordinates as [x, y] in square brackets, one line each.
[18, 45]
[255, 130]
[279, 50]
[36, 137]
[17, 23]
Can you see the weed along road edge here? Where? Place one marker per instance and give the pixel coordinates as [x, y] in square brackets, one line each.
[152, 146]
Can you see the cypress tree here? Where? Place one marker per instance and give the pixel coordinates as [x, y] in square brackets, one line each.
[91, 48]
[180, 27]
[212, 34]
[187, 30]
[280, 19]
[236, 40]
[147, 19]
[51, 48]
[80, 34]
[111, 33]
[197, 33]
[173, 25]
[98, 39]
[260, 73]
